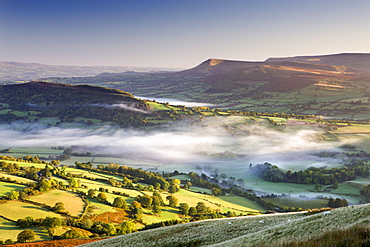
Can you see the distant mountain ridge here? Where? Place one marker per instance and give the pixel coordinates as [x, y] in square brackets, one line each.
[360, 61]
[304, 84]
[18, 71]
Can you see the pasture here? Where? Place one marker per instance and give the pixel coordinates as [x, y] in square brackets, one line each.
[72, 202]
[217, 203]
[16, 178]
[6, 188]
[298, 202]
[15, 210]
[8, 230]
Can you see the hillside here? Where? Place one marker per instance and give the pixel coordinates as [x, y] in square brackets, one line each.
[266, 230]
[55, 103]
[330, 85]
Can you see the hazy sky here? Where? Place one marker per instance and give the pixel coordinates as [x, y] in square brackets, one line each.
[178, 33]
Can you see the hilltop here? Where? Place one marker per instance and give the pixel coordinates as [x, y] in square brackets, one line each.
[330, 85]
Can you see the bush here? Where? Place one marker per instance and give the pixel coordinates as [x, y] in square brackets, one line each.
[26, 235]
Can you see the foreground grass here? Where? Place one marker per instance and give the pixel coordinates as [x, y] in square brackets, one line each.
[277, 229]
[358, 235]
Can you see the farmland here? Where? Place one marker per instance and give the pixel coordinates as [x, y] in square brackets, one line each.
[86, 195]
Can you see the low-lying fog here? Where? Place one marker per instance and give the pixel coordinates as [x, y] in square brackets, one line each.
[186, 146]
[184, 143]
[176, 102]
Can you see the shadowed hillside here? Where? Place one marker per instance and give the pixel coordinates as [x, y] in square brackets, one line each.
[81, 104]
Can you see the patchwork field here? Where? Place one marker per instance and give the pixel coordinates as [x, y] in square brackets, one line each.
[72, 202]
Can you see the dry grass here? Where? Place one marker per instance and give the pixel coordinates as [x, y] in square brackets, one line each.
[246, 231]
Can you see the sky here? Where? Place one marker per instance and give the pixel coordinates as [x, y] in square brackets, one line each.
[178, 33]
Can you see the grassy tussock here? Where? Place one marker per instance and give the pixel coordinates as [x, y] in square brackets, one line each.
[276, 230]
[358, 235]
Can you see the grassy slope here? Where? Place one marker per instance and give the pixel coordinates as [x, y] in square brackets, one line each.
[245, 231]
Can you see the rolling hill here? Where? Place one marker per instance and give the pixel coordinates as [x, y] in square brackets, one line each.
[84, 104]
[330, 85]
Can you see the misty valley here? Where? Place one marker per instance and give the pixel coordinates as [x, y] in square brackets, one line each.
[82, 158]
[224, 148]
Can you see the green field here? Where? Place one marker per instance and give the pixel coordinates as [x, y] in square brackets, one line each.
[298, 203]
[72, 202]
[6, 188]
[16, 178]
[15, 210]
[8, 230]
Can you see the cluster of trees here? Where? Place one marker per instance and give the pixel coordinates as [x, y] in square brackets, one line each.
[365, 191]
[314, 175]
[337, 203]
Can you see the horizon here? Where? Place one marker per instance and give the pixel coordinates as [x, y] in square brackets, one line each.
[178, 34]
[72, 65]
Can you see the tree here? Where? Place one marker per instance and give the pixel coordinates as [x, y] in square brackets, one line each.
[146, 201]
[14, 195]
[102, 197]
[193, 211]
[175, 181]
[74, 183]
[216, 191]
[335, 186]
[91, 193]
[172, 201]
[26, 222]
[71, 234]
[26, 235]
[331, 203]
[87, 224]
[157, 199]
[109, 229]
[156, 209]
[126, 228]
[201, 208]
[173, 189]
[184, 208]
[318, 187]
[8, 241]
[59, 207]
[119, 202]
[44, 185]
[51, 222]
[157, 186]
